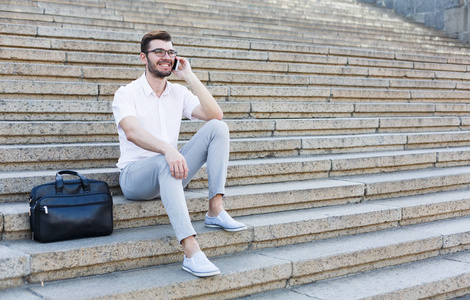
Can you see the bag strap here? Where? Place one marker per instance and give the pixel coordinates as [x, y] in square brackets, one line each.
[59, 181]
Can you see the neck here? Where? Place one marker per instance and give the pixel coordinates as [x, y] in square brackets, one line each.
[157, 84]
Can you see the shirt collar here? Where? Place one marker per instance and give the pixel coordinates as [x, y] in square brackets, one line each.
[148, 89]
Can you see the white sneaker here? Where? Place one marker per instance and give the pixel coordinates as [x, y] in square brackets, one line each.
[200, 266]
[224, 221]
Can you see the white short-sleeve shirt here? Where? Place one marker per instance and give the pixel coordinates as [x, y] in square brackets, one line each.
[161, 116]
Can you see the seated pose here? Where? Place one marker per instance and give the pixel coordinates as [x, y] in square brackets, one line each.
[148, 113]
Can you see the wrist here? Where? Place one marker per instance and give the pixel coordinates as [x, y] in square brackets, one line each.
[166, 149]
[191, 78]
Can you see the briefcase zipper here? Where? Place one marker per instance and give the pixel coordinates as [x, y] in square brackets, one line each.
[45, 208]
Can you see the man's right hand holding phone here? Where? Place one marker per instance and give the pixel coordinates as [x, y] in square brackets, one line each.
[180, 65]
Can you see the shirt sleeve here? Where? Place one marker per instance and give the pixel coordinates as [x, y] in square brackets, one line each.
[123, 105]
[190, 103]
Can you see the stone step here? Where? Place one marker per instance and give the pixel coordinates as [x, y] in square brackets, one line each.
[443, 277]
[249, 272]
[356, 45]
[12, 186]
[20, 3]
[81, 110]
[306, 129]
[103, 35]
[87, 155]
[174, 9]
[100, 155]
[239, 22]
[351, 39]
[311, 76]
[295, 127]
[244, 171]
[375, 95]
[258, 198]
[68, 39]
[59, 38]
[269, 110]
[377, 142]
[48, 90]
[50, 132]
[249, 200]
[65, 50]
[240, 15]
[349, 15]
[220, 78]
[295, 11]
[55, 110]
[244, 19]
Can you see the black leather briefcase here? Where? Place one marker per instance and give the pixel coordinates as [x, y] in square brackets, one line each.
[70, 209]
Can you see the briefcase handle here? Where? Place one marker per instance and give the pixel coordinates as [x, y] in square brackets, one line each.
[59, 181]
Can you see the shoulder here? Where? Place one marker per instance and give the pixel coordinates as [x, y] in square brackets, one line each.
[124, 93]
[133, 85]
[129, 89]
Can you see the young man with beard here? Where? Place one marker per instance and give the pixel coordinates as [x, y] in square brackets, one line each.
[148, 114]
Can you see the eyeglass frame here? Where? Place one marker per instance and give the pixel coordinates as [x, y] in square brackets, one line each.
[166, 52]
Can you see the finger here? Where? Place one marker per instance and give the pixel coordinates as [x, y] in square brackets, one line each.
[184, 63]
[186, 170]
[179, 172]
[175, 172]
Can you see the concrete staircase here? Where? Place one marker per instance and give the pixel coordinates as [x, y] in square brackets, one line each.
[350, 147]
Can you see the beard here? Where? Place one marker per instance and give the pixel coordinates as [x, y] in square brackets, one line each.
[153, 70]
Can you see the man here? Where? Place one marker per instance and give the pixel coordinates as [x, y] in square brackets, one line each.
[148, 114]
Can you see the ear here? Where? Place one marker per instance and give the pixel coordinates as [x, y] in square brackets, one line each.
[143, 57]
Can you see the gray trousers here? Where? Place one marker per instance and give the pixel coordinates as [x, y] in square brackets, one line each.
[150, 178]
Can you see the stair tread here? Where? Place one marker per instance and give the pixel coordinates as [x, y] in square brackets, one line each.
[413, 280]
[291, 263]
[314, 167]
[349, 158]
[425, 278]
[340, 190]
[123, 36]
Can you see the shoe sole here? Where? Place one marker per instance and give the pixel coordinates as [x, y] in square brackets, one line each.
[226, 229]
[206, 274]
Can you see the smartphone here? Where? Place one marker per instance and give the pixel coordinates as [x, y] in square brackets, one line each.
[176, 65]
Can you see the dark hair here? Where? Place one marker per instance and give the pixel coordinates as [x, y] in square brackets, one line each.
[153, 35]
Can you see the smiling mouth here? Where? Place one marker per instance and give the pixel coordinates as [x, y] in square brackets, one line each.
[165, 64]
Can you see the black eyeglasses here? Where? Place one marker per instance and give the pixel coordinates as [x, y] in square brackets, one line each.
[161, 52]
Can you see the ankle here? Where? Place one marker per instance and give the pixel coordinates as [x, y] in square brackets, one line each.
[215, 206]
[214, 213]
[190, 246]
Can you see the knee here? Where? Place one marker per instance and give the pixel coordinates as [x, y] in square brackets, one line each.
[219, 128]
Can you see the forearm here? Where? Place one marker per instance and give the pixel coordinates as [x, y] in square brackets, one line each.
[142, 138]
[145, 140]
[209, 109]
[176, 161]
[209, 106]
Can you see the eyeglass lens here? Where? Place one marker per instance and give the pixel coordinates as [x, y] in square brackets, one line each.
[161, 52]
